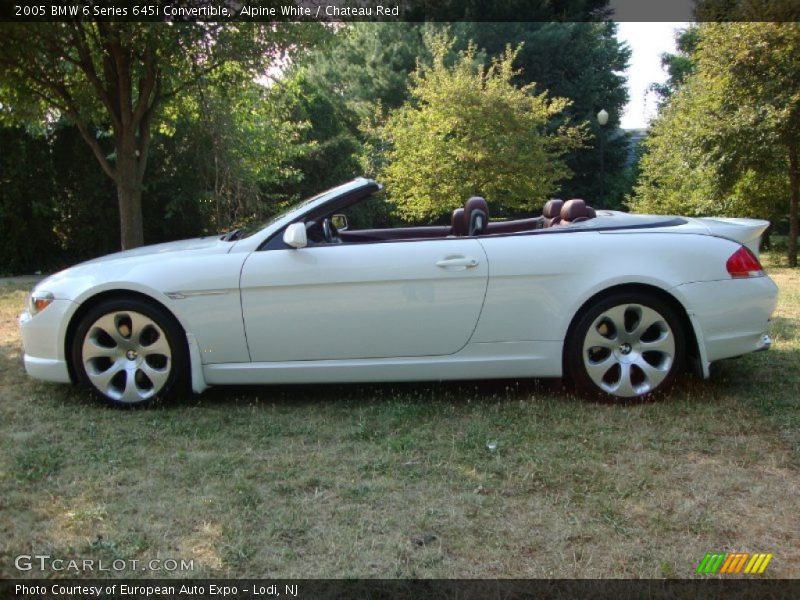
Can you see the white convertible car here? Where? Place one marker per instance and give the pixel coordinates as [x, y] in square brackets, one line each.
[617, 303]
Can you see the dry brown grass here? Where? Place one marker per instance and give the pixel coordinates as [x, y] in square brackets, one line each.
[333, 481]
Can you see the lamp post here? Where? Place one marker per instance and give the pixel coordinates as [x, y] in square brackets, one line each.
[602, 119]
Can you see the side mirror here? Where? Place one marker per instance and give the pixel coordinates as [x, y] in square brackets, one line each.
[340, 222]
[295, 235]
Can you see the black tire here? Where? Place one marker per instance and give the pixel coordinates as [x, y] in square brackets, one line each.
[159, 369]
[610, 355]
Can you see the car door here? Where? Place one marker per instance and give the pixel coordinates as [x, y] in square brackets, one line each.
[368, 300]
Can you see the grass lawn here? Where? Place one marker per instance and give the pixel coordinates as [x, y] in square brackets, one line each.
[397, 481]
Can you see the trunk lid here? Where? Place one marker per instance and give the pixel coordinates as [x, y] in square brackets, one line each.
[745, 231]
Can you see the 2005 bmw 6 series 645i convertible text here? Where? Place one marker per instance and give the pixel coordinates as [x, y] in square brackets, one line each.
[617, 303]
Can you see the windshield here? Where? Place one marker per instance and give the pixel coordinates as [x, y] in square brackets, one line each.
[248, 230]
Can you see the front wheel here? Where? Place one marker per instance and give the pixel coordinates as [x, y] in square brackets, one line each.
[627, 346]
[129, 352]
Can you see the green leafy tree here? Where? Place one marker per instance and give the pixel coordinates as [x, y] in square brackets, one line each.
[112, 80]
[469, 130]
[369, 63]
[331, 145]
[583, 62]
[353, 80]
[253, 145]
[728, 140]
[679, 65]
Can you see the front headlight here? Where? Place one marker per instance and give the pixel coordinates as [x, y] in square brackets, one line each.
[38, 301]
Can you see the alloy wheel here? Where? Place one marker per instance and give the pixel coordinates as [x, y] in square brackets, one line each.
[629, 350]
[126, 356]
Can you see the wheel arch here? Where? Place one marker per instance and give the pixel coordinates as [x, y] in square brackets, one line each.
[692, 346]
[114, 294]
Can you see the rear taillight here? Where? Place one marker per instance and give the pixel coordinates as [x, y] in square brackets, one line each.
[743, 263]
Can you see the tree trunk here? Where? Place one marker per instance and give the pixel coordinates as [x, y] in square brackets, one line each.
[794, 184]
[130, 212]
[129, 195]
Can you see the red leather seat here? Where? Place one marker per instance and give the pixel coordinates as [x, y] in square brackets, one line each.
[458, 226]
[476, 215]
[552, 212]
[576, 210]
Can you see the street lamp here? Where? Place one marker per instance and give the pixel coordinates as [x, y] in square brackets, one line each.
[602, 119]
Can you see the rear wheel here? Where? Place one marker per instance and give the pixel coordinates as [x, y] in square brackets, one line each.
[129, 352]
[627, 346]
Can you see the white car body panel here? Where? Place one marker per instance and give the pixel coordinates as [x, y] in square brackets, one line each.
[475, 361]
[733, 315]
[386, 311]
[545, 286]
[202, 271]
[391, 300]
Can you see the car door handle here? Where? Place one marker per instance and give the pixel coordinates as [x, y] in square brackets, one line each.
[457, 263]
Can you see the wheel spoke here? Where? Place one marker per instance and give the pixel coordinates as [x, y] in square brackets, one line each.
[91, 349]
[617, 316]
[665, 344]
[158, 377]
[132, 393]
[102, 379]
[648, 318]
[653, 375]
[138, 324]
[624, 386]
[108, 325]
[598, 370]
[160, 347]
[594, 339]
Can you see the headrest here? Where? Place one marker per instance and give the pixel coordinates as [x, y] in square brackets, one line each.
[476, 215]
[458, 223]
[552, 208]
[575, 209]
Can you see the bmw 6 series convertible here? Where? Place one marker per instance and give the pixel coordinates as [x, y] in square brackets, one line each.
[619, 304]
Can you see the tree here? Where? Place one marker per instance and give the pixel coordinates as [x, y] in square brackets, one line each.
[733, 128]
[112, 80]
[679, 174]
[330, 138]
[369, 63]
[354, 80]
[469, 130]
[27, 210]
[252, 145]
[679, 65]
[583, 62]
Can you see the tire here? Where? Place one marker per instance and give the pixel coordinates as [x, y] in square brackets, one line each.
[626, 347]
[130, 352]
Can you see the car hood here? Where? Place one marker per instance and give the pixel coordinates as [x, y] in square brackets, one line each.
[136, 265]
[211, 243]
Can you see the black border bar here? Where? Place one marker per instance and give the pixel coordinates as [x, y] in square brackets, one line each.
[377, 589]
[398, 10]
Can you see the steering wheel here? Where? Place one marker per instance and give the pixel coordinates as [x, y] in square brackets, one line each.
[330, 232]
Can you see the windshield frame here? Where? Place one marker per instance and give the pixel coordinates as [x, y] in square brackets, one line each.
[253, 229]
[268, 229]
